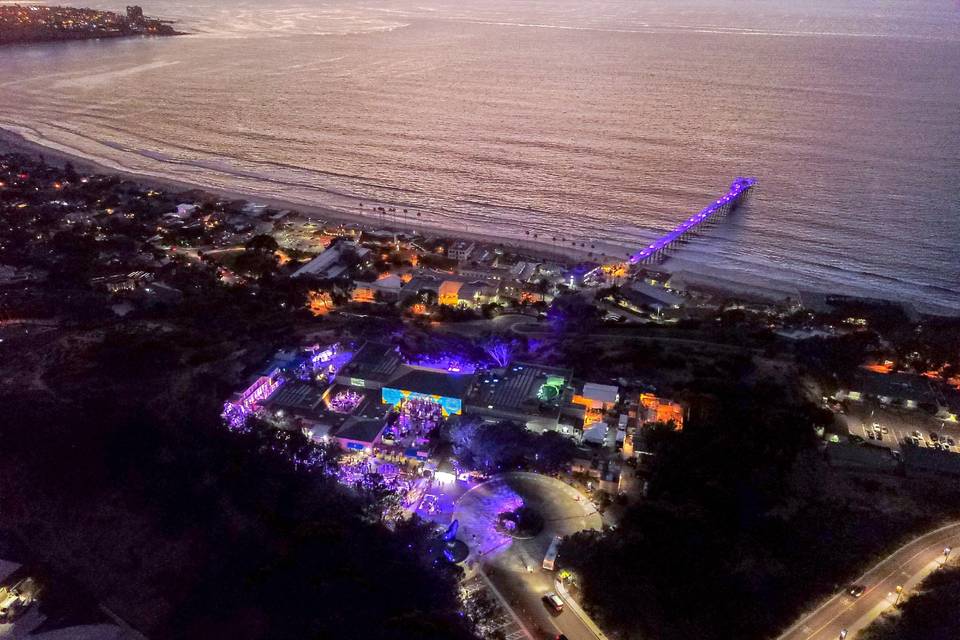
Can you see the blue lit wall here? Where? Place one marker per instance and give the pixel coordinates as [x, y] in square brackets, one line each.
[450, 406]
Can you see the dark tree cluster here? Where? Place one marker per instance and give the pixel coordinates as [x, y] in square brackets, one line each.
[836, 358]
[121, 476]
[572, 313]
[507, 446]
[733, 540]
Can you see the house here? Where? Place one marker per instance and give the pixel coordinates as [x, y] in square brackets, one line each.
[333, 262]
[461, 250]
[185, 211]
[122, 282]
[388, 288]
[638, 295]
[652, 409]
[596, 399]
[487, 274]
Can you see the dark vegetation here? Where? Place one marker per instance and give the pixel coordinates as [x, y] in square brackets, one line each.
[123, 476]
[507, 446]
[117, 477]
[744, 526]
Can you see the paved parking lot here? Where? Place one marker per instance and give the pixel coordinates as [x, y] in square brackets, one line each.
[897, 426]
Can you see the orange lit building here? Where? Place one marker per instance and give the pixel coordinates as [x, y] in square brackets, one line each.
[319, 302]
[880, 367]
[656, 409]
[449, 293]
[596, 399]
[363, 294]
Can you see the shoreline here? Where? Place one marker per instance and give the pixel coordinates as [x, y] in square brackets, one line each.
[14, 142]
[85, 37]
[696, 281]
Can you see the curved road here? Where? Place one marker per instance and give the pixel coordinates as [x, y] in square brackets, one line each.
[906, 566]
[514, 567]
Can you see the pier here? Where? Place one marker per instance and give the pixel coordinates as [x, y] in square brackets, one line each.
[726, 204]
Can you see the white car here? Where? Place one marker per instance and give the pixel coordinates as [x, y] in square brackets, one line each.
[554, 601]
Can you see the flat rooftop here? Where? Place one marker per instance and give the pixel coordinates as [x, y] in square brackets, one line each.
[518, 388]
[903, 386]
[432, 382]
[361, 429]
[373, 361]
[296, 396]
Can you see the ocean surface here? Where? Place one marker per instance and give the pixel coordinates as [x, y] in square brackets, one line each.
[604, 122]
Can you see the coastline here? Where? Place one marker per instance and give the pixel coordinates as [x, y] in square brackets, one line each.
[14, 142]
[84, 37]
[711, 284]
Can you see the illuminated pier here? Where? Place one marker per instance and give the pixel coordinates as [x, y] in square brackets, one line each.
[726, 204]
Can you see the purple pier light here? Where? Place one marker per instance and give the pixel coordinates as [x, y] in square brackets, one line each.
[728, 202]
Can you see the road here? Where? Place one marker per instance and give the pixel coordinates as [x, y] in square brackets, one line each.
[533, 330]
[907, 566]
[514, 567]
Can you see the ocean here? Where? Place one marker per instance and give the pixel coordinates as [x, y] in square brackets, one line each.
[601, 123]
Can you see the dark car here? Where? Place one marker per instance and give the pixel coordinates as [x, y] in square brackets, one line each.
[856, 590]
[934, 436]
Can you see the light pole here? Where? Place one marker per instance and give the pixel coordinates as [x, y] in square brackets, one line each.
[946, 554]
[899, 593]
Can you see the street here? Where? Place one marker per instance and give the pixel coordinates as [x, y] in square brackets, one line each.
[514, 566]
[905, 567]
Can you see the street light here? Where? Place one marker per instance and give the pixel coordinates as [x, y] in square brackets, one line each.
[843, 634]
[899, 593]
[946, 554]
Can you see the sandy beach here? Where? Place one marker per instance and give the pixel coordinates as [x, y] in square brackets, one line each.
[13, 142]
[364, 218]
